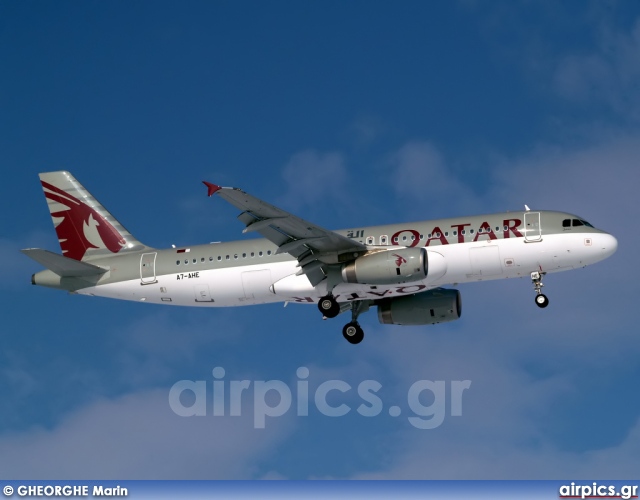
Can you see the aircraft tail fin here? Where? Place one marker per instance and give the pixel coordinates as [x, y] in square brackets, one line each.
[85, 229]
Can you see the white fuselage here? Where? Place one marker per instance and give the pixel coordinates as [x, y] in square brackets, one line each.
[258, 280]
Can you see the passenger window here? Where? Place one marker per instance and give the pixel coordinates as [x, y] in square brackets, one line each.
[219, 257]
[195, 260]
[244, 255]
[260, 253]
[202, 259]
[210, 259]
[471, 231]
[383, 240]
[455, 233]
[463, 232]
[395, 239]
[268, 252]
[404, 238]
[177, 262]
[227, 257]
[253, 254]
[370, 240]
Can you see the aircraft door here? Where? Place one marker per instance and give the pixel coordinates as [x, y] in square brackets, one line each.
[532, 228]
[148, 268]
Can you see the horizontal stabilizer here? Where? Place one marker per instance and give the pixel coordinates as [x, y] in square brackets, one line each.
[61, 265]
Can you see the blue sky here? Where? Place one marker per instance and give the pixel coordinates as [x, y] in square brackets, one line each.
[347, 114]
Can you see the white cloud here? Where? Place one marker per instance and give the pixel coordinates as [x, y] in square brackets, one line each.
[366, 129]
[609, 75]
[509, 413]
[421, 175]
[598, 181]
[20, 380]
[464, 457]
[525, 365]
[502, 431]
[137, 436]
[152, 348]
[314, 178]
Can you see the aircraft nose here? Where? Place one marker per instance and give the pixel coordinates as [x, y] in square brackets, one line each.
[608, 244]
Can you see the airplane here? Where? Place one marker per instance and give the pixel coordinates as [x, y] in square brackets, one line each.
[401, 269]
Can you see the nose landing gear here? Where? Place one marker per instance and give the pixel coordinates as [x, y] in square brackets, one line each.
[541, 299]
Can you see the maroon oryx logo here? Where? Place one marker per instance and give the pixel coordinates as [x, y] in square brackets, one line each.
[81, 228]
[399, 259]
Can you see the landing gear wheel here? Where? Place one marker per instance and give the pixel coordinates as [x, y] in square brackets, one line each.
[353, 333]
[542, 300]
[328, 306]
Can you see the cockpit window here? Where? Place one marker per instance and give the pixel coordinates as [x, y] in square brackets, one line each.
[575, 223]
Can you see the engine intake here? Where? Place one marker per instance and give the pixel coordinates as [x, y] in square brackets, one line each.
[388, 267]
[427, 308]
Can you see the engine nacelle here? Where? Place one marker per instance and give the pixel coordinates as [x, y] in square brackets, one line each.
[388, 267]
[427, 308]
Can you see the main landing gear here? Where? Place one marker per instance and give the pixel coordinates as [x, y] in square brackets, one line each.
[352, 331]
[541, 299]
[330, 308]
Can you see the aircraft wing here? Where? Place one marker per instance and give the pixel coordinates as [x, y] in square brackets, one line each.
[313, 246]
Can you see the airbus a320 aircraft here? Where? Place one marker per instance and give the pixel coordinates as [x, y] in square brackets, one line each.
[399, 268]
